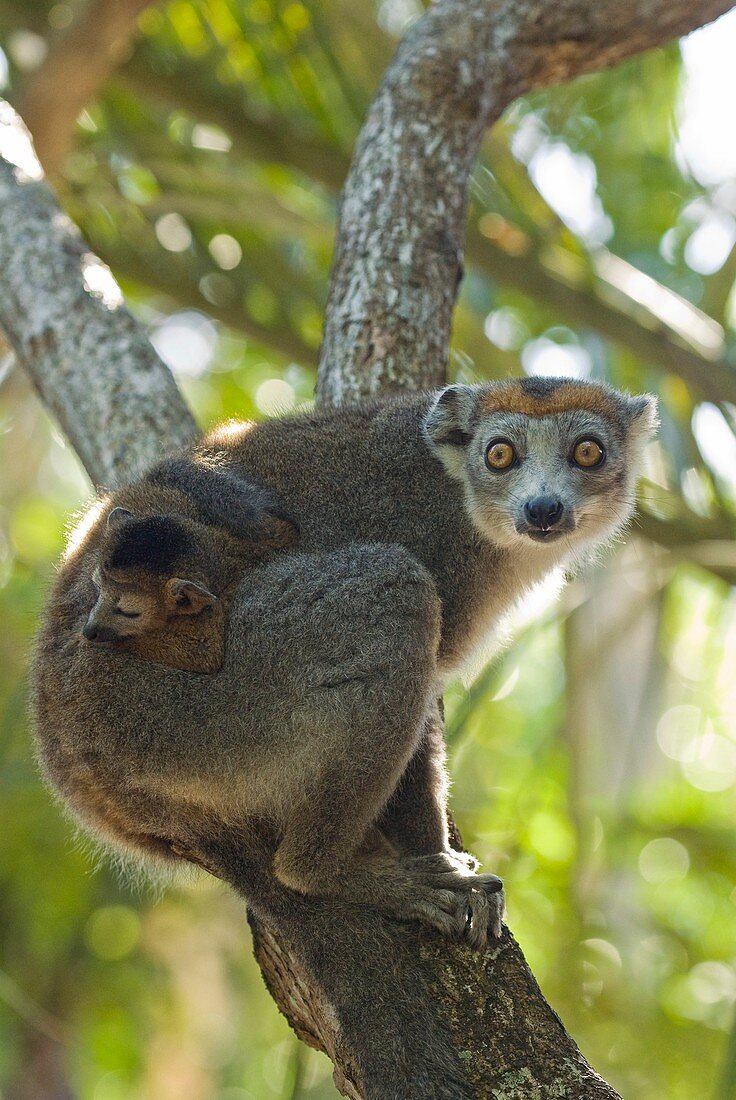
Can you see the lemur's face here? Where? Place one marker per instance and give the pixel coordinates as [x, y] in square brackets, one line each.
[123, 607]
[132, 594]
[543, 461]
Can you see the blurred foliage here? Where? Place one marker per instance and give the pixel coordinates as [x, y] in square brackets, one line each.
[595, 762]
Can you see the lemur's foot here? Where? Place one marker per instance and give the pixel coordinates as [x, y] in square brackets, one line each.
[487, 910]
[445, 910]
[480, 898]
[382, 883]
[431, 889]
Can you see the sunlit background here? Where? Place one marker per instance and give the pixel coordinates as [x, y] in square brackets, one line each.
[595, 763]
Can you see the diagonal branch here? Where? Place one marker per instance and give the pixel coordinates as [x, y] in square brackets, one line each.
[585, 299]
[62, 312]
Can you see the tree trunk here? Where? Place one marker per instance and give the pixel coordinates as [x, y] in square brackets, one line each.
[396, 271]
[398, 258]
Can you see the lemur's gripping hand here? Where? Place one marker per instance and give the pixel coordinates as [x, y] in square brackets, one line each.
[434, 890]
[227, 499]
[479, 899]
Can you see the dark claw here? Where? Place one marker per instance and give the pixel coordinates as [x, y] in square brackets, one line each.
[492, 884]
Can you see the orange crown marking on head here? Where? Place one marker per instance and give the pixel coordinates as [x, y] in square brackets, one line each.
[568, 396]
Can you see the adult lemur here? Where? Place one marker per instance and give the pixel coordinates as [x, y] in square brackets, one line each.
[315, 751]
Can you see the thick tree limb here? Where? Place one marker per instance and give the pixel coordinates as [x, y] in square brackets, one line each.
[62, 312]
[400, 243]
[509, 1042]
[79, 60]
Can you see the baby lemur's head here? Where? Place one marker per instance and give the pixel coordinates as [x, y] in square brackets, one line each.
[543, 460]
[138, 580]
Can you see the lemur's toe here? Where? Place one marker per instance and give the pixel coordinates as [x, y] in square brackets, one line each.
[492, 884]
[486, 910]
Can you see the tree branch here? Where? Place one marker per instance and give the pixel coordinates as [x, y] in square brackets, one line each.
[509, 1042]
[79, 60]
[398, 258]
[62, 312]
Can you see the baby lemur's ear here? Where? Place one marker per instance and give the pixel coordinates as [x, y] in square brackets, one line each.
[188, 597]
[117, 516]
[447, 425]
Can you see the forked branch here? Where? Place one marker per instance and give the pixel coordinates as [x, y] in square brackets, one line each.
[398, 258]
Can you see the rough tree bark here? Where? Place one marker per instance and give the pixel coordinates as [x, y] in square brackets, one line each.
[399, 249]
[395, 277]
[62, 312]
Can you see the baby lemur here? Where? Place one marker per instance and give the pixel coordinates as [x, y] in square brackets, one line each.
[423, 520]
[155, 568]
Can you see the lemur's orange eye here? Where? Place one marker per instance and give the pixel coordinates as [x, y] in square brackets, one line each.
[588, 453]
[500, 454]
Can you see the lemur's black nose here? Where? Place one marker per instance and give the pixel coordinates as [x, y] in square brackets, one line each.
[98, 633]
[544, 512]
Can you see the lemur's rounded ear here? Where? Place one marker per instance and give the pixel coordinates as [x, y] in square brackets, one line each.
[188, 597]
[448, 421]
[117, 515]
[642, 411]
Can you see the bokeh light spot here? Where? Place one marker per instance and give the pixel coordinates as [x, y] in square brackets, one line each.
[663, 860]
[225, 251]
[505, 329]
[678, 731]
[186, 341]
[714, 765]
[708, 246]
[545, 357]
[173, 232]
[112, 932]
[274, 396]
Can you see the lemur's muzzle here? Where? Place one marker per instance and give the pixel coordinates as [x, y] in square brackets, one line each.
[94, 633]
[544, 513]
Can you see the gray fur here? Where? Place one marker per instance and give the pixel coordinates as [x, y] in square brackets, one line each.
[312, 762]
